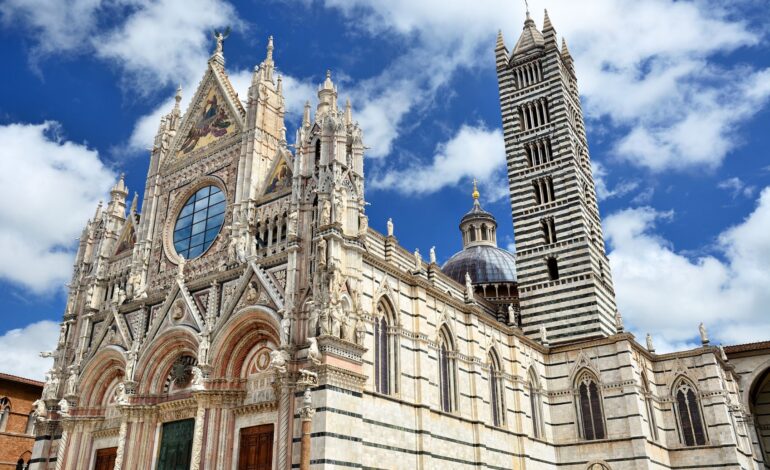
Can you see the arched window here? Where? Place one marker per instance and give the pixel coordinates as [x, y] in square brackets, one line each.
[385, 350]
[535, 403]
[5, 413]
[496, 389]
[31, 423]
[484, 232]
[690, 418]
[589, 408]
[447, 375]
[472, 233]
[650, 407]
[553, 268]
[317, 154]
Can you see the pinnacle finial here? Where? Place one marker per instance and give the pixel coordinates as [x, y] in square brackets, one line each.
[547, 26]
[178, 95]
[475, 190]
[270, 48]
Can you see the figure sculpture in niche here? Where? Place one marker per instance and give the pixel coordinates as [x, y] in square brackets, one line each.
[326, 213]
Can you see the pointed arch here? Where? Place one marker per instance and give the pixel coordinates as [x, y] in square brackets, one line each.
[496, 387]
[99, 376]
[535, 402]
[690, 423]
[589, 407]
[447, 353]
[5, 413]
[234, 343]
[159, 356]
[649, 406]
[386, 347]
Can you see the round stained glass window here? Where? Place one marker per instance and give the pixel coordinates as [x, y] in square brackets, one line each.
[199, 222]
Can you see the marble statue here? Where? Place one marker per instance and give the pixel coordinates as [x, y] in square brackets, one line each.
[390, 227]
[704, 337]
[313, 353]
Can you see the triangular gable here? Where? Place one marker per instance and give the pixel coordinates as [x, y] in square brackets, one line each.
[178, 291]
[280, 178]
[127, 238]
[215, 112]
[266, 286]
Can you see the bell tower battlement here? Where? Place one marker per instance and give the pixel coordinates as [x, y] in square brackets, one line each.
[563, 272]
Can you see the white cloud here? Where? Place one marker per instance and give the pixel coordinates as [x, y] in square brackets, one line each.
[474, 152]
[644, 65]
[155, 43]
[20, 349]
[164, 42]
[603, 191]
[737, 187]
[661, 291]
[48, 189]
[58, 25]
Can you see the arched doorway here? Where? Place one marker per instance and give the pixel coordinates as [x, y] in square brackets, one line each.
[759, 402]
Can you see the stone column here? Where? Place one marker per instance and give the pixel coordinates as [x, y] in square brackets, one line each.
[306, 414]
[285, 392]
[197, 444]
[62, 446]
[121, 443]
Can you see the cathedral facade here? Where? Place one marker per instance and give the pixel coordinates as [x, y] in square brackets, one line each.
[249, 317]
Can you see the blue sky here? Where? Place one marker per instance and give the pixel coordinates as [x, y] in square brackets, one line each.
[675, 94]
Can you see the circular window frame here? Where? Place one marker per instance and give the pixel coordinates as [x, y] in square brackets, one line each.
[168, 228]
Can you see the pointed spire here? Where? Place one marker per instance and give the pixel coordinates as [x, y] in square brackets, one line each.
[280, 85]
[564, 49]
[475, 190]
[120, 188]
[500, 41]
[327, 95]
[328, 83]
[547, 26]
[269, 49]
[134, 203]
[530, 37]
[348, 112]
[268, 65]
[306, 115]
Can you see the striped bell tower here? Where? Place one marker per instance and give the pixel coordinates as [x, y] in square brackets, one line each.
[565, 285]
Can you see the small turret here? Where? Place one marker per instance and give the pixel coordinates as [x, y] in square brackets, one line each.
[119, 191]
[327, 95]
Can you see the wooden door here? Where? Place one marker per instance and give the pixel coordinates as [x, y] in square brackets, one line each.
[256, 450]
[105, 458]
[176, 445]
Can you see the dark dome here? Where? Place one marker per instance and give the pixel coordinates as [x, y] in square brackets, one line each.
[485, 264]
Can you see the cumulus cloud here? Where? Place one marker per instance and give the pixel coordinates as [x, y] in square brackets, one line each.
[155, 43]
[48, 189]
[20, 349]
[645, 66]
[663, 291]
[474, 152]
